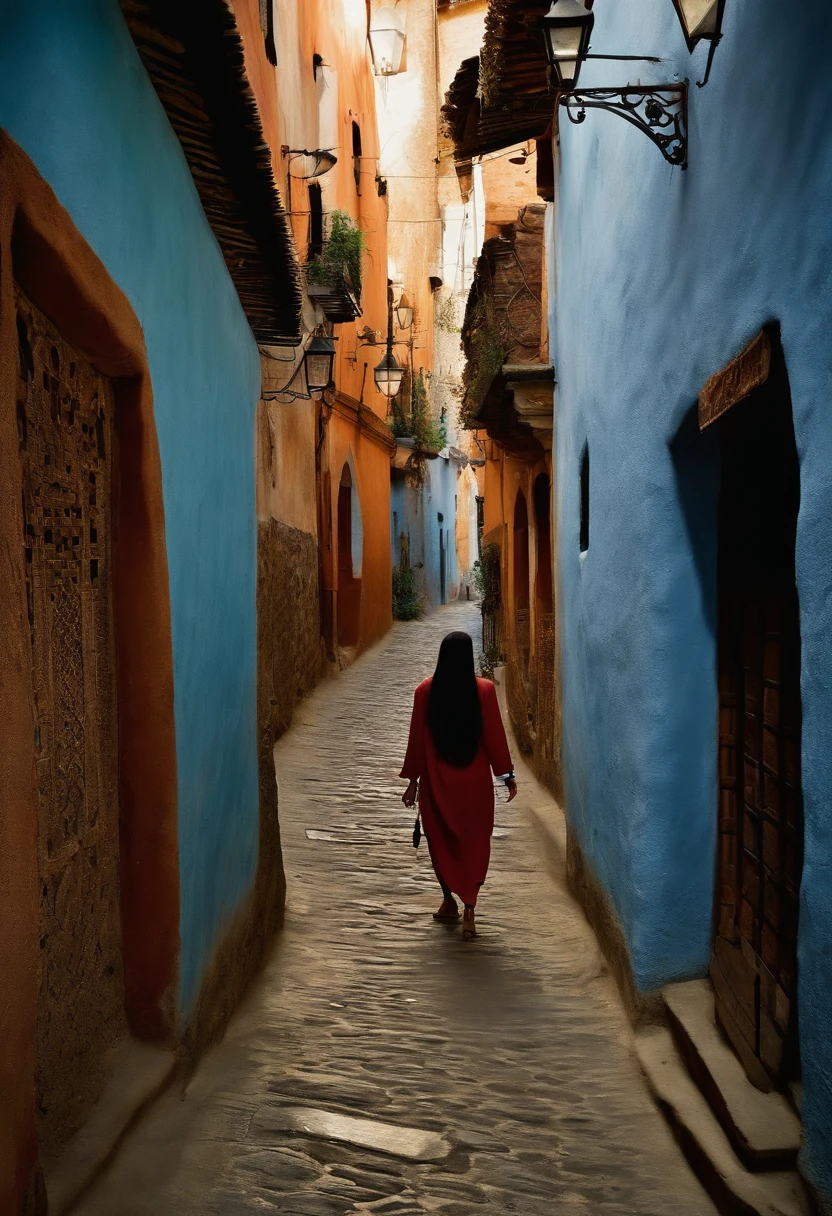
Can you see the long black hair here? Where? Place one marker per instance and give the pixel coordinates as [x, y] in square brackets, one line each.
[454, 714]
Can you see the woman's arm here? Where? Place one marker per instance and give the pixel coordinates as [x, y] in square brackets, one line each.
[414, 760]
[494, 739]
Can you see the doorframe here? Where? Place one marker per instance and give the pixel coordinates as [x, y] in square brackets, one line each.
[41, 249]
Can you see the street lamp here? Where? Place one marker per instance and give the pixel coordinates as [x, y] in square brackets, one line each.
[699, 18]
[387, 40]
[566, 32]
[701, 21]
[404, 311]
[388, 375]
[319, 358]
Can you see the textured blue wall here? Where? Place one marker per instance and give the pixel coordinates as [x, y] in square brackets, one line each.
[662, 277]
[415, 510]
[75, 96]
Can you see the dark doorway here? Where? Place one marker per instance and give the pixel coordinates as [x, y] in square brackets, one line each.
[543, 579]
[316, 222]
[754, 966]
[356, 156]
[349, 587]
[521, 579]
[442, 564]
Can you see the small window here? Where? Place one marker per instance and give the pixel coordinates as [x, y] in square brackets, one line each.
[267, 27]
[356, 155]
[316, 221]
[585, 499]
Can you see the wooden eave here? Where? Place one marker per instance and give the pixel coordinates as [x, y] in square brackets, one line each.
[502, 96]
[193, 53]
[501, 422]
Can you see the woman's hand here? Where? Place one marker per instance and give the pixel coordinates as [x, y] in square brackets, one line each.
[409, 796]
[511, 786]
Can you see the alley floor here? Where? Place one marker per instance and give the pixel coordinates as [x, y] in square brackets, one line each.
[512, 1049]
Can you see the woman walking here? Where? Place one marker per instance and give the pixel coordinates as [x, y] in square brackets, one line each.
[456, 741]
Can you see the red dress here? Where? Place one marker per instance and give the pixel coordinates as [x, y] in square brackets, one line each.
[457, 804]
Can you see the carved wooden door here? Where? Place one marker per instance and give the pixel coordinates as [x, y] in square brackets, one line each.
[754, 967]
[65, 429]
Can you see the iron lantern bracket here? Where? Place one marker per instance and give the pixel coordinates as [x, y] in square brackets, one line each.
[659, 111]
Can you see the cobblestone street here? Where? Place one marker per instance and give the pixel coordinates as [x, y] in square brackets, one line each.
[513, 1047]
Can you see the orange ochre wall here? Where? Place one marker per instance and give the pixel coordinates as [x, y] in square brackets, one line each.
[298, 110]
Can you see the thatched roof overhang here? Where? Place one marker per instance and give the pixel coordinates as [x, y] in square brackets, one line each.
[502, 96]
[193, 53]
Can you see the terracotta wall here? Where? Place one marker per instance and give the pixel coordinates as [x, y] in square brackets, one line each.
[309, 103]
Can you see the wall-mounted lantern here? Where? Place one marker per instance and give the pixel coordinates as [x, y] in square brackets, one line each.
[319, 359]
[567, 28]
[659, 111]
[404, 311]
[701, 20]
[387, 27]
[316, 363]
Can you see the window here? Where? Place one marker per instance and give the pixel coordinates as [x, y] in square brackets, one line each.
[585, 499]
[356, 155]
[316, 221]
[267, 26]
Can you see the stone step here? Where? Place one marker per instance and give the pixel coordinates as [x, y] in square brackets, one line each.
[139, 1073]
[763, 1128]
[735, 1190]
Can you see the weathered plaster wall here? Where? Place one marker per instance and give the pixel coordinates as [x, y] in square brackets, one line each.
[662, 277]
[408, 119]
[74, 95]
[314, 113]
[415, 510]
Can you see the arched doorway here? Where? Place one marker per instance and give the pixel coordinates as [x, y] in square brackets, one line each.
[349, 587]
[542, 519]
[521, 579]
[754, 965]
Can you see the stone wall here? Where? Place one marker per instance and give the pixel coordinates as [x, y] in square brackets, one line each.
[288, 619]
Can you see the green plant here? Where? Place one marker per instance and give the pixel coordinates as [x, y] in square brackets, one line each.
[446, 315]
[406, 603]
[487, 579]
[342, 253]
[485, 349]
[412, 416]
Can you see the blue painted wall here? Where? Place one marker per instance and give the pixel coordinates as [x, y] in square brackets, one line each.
[416, 511]
[662, 277]
[75, 96]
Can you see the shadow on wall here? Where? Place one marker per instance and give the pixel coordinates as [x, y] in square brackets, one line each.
[696, 462]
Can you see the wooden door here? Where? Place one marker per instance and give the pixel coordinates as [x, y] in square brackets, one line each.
[754, 966]
[65, 432]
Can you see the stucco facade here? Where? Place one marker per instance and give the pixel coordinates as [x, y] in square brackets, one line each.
[663, 277]
[76, 99]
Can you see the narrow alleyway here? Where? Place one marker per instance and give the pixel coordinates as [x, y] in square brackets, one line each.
[513, 1048]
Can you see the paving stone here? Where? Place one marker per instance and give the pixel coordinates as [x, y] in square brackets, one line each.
[513, 1048]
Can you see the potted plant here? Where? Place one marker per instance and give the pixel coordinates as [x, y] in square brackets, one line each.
[333, 276]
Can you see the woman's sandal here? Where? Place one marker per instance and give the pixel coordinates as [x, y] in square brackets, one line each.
[469, 928]
[445, 916]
